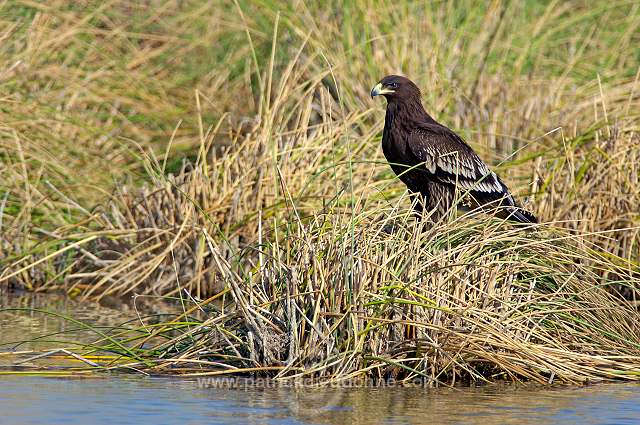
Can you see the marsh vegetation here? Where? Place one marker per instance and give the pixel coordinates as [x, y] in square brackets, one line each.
[227, 155]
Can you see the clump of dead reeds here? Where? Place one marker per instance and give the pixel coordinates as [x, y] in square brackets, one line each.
[339, 297]
[466, 301]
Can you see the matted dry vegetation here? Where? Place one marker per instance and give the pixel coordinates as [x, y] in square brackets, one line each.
[285, 228]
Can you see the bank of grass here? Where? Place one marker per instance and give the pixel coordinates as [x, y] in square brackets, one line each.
[285, 234]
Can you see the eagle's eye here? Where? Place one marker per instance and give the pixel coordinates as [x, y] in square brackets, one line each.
[394, 85]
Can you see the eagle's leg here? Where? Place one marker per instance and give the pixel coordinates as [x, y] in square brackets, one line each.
[438, 201]
[420, 201]
[424, 207]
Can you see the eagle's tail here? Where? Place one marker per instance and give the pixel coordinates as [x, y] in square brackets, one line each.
[518, 214]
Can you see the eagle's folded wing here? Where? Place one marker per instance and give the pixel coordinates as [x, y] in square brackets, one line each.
[449, 160]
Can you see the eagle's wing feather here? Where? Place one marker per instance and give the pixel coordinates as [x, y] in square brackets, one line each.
[449, 160]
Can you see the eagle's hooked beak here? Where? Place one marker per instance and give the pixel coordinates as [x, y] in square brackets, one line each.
[378, 90]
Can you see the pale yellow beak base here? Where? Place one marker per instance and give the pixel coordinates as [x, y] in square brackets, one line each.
[378, 90]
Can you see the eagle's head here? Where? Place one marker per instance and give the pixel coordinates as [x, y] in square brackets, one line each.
[396, 88]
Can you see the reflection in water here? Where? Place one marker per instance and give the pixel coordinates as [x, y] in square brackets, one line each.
[614, 404]
[23, 317]
[118, 399]
[122, 400]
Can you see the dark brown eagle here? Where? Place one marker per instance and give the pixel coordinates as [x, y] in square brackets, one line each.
[433, 161]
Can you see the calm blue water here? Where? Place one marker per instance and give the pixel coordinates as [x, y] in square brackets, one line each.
[156, 401]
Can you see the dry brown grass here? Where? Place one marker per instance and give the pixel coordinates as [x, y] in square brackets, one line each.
[282, 216]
